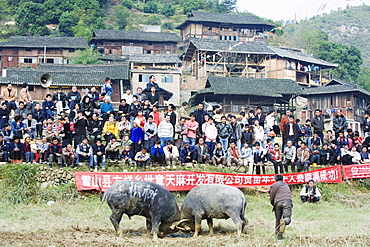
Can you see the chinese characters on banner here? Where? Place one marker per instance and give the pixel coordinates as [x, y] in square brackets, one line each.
[356, 171]
[186, 180]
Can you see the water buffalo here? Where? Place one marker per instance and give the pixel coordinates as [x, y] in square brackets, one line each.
[209, 201]
[148, 199]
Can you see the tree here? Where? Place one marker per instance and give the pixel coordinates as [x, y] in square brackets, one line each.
[151, 7]
[55, 9]
[66, 22]
[153, 20]
[168, 25]
[127, 3]
[224, 6]
[87, 56]
[189, 6]
[82, 30]
[122, 16]
[168, 10]
[31, 19]
[348, 58]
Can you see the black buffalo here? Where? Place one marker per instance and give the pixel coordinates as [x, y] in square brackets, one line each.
[209, 201]
[148, 199]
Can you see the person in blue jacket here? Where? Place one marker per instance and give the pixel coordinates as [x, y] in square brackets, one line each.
[157, 153]
[48, 106]
[16, 151]
[137, 138]
[17, 127]
[106, 108]
[188, 153]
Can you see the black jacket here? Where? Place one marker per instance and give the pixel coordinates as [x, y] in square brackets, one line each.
[97, 149]
[39, 116]
[80, 127]
[63, 97]
[318, 124]
[95, 124]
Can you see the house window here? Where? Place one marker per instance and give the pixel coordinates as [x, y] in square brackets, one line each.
[27, 60]
[167, 79]
[150, 43]
[50, 60]
[31, 88]
[235, 108]
[28, 50]
[110, 51]
[144, 78]
[168, 52]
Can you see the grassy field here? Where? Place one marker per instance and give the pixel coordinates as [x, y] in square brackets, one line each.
[340, 219]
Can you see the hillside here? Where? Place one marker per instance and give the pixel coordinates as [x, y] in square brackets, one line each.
[349, 27]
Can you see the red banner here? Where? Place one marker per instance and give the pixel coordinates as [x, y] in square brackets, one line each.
[186, 180]
[356, 171]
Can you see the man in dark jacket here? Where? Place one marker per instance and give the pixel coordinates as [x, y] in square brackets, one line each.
[290, 131]
[39, 115]
[73, 97]
[199, 115]
[55, 153]
[281, 200]
[59, 99]
[99, 155]
[95, 128]
[366, 124]
[317, 123]
[260, 116]
[339, 123]
[188, 153]
[80, 128]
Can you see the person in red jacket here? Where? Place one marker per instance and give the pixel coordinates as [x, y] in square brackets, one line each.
[276, 159]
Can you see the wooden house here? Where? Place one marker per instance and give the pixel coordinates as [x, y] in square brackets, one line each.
[66, 76]
[30, 51]
[243, 94]
[298, 66]
[353, 99]
[222, 26]
[113, 43]
[165, 68]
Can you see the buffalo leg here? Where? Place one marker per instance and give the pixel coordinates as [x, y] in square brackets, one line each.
[238, 222]
[198, 222]
[210, 226]
[148, 226]
[155, 227]
[115, 218]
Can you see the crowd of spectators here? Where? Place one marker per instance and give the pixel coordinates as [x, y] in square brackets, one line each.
[69, 128]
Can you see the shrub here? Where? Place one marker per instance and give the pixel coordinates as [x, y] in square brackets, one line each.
[151, 7]
[168, 25]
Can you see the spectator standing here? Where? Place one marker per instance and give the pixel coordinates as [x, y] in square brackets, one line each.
[65, 130]
[193, 127]
[165, 131]
[153, 96]
[182, 113]
[180, 133]
[128, 96]
[151, 83]
[290, 132]
[80, 126]
[284, 120]
[258, 132]
[224, 132]
[318, 124]
[260, 116]
[290, 155]
[236, 134]
[366, 124]
[39, 115]
[173, 116]
[199, 115]
[150, 133]
[9, 95]
[210, 135]
[157, 116]
[107, 89]
[259, 156]
[25, 96]
[270, 123]
[339, 123]
[137, 138]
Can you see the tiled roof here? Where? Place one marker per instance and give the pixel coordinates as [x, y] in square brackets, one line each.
[336, 86]
[300, 56]
[102, 34]
[251, 47]
[241, 19]
[268, 87]
[46, 41]
[155, 58]
[67, 75]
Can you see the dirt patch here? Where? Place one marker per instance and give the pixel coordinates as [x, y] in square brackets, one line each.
[105, 237]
